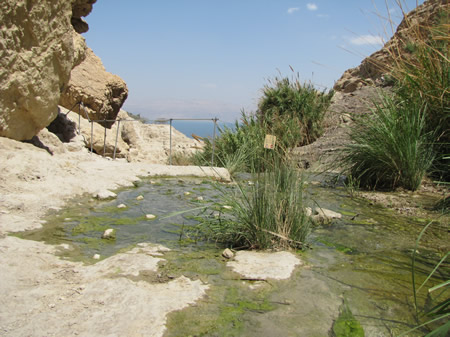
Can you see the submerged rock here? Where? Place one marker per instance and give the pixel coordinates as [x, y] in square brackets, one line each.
[259, 265]
[105, 194]
[325, 216]
[109, 234]
[228, 254]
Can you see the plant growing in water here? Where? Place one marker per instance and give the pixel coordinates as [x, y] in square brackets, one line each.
[436, 317]
[268, 212]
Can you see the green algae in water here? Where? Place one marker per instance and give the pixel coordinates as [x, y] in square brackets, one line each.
[346, 324]
[83, 224]
[224, 313]
[338, 247]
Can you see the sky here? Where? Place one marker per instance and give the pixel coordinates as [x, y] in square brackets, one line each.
[212, 58]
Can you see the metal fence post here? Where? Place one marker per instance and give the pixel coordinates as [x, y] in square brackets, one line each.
[104, 143]
[79, 118]
[92, 135]
[117, 136]
[214, 141]
[170, 143]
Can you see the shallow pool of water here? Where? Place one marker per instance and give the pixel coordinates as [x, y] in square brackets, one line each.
[363, 258]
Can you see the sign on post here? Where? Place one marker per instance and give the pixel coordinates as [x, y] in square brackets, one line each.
[269, 142]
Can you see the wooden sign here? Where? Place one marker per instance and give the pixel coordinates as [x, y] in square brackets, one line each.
[269, 142]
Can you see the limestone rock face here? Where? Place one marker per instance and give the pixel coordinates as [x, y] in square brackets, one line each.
[151, 142]
[372, 68]
[80, 9]
[102, 93]
[36, 58]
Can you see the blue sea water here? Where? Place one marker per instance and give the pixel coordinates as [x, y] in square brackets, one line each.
[200, 128]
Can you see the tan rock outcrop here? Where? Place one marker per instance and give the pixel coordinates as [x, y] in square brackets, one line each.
[80, 9]
[100, 144]
[151, 142]
[372, 68]
[36, 58]
[40, 50]
[102, 93]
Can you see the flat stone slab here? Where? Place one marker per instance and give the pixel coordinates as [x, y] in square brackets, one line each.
[264, 265]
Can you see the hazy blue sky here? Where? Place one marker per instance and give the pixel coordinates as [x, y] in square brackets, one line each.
[206, 58]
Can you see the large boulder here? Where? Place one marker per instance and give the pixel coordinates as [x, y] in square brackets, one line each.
[37, 51]
[102, 93]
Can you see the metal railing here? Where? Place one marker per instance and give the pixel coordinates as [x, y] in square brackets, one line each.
[159, 121]
[170, 120]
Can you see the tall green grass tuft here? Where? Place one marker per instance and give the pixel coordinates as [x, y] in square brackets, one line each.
[267, 213]
[293, 111]
[288, 109]
[408, 134]
[239, 149]
[424, 77]
[391, 147]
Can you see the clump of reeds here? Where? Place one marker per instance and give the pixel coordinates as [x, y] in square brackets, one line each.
[423, 76]
[288, 109]
[267, 213]
[390, 147]
[292, 110]
[407, 135]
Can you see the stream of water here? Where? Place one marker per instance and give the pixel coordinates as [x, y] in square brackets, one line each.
[363, 259]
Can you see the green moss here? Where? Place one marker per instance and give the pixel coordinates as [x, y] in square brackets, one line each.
[224, 314]
[348, 213]
[346, 325]
[337, 246]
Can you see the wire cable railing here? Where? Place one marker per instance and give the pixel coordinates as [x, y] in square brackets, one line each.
[82, 110]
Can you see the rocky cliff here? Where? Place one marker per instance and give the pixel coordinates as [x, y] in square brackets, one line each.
[373, 68]
[40, 45]
[102, 93]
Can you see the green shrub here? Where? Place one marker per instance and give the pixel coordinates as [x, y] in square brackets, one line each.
[293, 111]
[289, 110]
[390, 147]
[239, 150]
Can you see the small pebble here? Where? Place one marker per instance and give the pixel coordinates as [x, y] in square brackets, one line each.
[96, 257]
[122, 206]
[140, 197]
[150, 216]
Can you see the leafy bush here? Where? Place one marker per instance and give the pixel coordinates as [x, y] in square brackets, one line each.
[391, 146]
[293, 111]
[289, 110]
